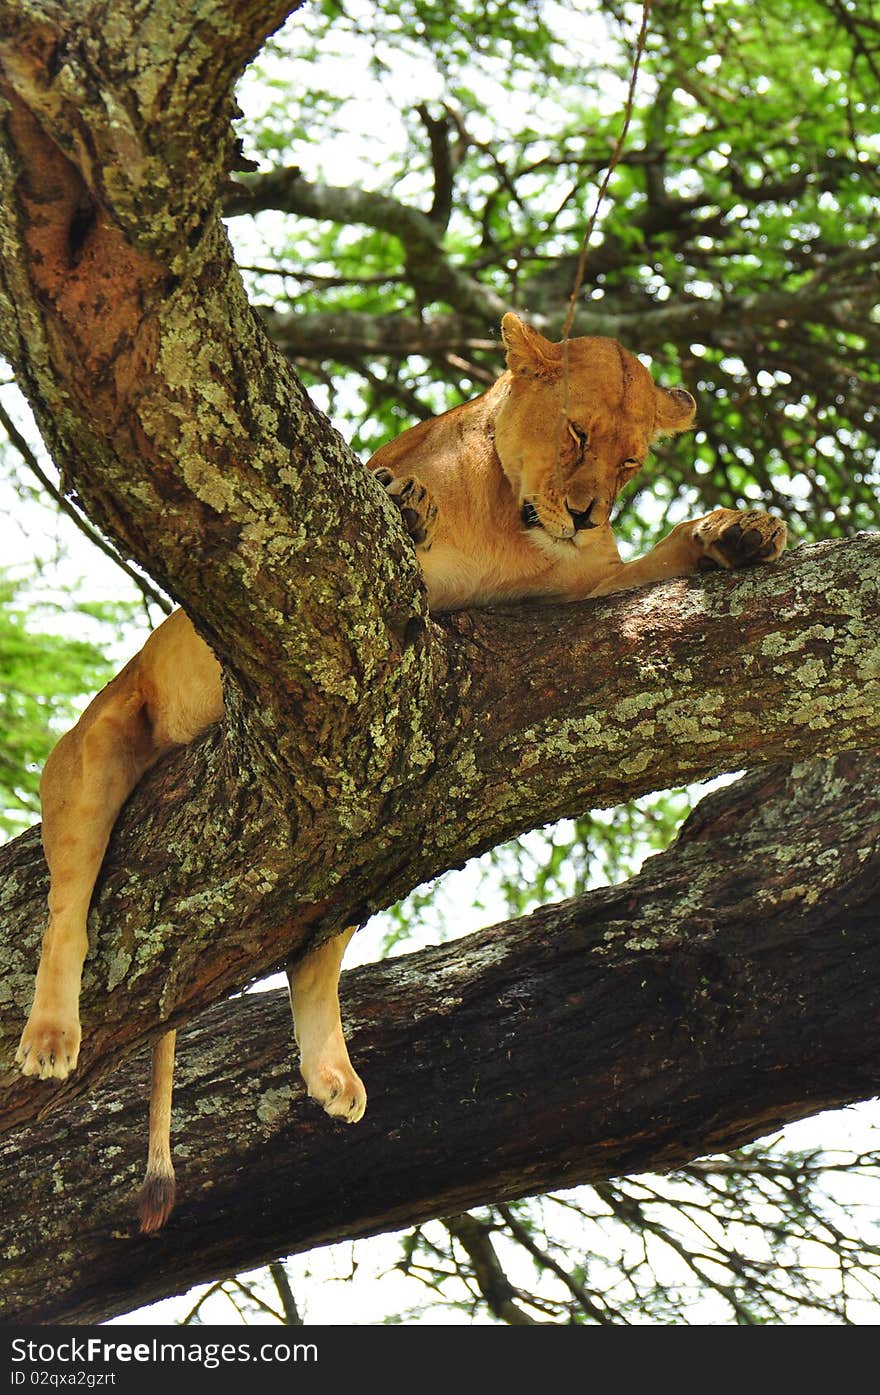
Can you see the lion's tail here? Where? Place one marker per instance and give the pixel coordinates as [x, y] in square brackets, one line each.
[156, 1196]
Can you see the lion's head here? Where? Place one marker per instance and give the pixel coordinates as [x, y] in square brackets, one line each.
[574, 427]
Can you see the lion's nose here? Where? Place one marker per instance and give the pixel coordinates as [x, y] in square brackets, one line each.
[581, 517]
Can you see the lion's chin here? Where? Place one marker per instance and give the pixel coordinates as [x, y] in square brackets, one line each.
[555, 548]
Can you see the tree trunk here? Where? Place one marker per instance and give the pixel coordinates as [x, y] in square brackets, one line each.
[730, 987]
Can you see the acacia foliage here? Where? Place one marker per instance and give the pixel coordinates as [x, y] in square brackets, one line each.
[737, 248]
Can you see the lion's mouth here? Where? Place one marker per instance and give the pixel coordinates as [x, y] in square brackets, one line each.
[532, 521]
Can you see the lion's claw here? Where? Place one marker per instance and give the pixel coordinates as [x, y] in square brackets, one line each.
[48, 1049]
[418, 511]
[731, 539]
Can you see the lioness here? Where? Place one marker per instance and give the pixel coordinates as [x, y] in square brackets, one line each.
[508, 496]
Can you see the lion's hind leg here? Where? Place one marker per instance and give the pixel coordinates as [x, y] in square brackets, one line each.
[324, 1061]
[87, 779]
[326, 1069]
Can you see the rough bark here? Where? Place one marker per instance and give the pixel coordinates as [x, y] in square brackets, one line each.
[542, 713]
[731, 986]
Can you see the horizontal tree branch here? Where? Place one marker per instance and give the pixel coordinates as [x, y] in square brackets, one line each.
[537, 712]
[832, 297]
[730, 987]
[421, 237]
[346, 335]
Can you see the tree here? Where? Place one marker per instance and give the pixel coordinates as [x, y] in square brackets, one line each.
[368, 747]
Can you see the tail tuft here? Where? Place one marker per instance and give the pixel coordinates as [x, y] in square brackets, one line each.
[156, 1196]
[155, 1201]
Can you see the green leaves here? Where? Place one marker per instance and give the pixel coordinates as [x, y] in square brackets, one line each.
[736, 250]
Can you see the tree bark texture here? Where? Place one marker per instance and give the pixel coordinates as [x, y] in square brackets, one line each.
[209, 881]
[733, 985]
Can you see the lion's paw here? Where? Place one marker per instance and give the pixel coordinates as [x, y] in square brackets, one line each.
[338, 1088]
[49, 1047]
[417, 508]
[729, 538]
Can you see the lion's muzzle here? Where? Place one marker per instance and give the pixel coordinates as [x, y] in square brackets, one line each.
[559, 521]
[581, 518]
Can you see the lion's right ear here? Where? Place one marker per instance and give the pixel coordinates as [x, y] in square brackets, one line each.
[529, 354]
[675, 411]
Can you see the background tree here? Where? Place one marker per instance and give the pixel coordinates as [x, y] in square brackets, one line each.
[737, 251]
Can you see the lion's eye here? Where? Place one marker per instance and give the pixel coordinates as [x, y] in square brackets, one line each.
[578, 435]
[629, 467]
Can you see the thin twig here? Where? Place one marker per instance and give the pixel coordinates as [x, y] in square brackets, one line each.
[612, 165]
[585, 241]
[17, 439]
[292, 1316]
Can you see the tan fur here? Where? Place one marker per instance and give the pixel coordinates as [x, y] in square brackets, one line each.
[506, 497]
[562, 431]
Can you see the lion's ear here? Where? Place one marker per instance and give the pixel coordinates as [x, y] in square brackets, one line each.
[675, 411]
[529, 354]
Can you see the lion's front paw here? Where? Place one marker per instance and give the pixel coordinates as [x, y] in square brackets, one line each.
[417, 508]
[338, 1088]
[49, 1047]
[728, 538]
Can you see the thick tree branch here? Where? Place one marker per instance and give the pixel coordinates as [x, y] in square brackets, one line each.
[139, 99]
[182, 410]
[156, 387]
[542, 712]
[732, 986]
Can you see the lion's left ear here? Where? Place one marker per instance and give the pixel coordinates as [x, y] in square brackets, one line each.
[529, 354]
[675, 411]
